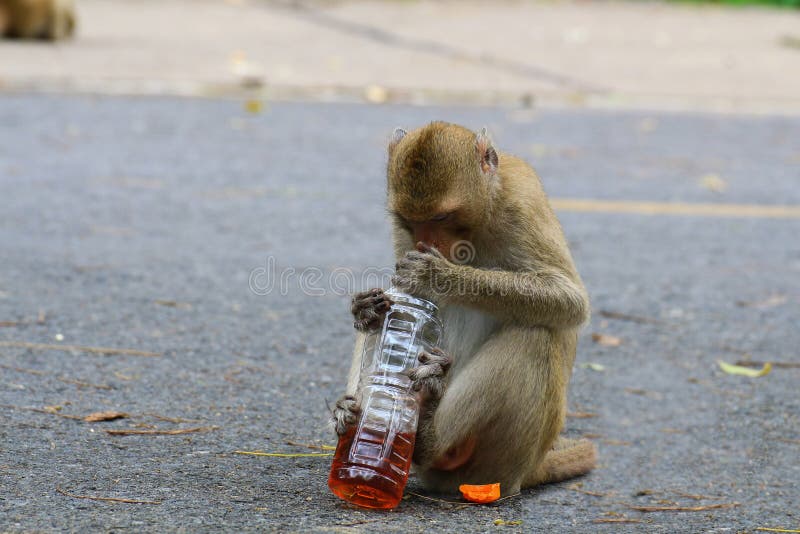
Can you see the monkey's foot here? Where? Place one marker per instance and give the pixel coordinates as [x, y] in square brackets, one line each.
[345, 414]
[430, 376]
[369, 308]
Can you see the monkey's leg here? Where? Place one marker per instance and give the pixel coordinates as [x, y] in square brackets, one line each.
[509, 402]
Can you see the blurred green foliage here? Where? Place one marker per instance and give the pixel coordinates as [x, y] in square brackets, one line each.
[776, 3]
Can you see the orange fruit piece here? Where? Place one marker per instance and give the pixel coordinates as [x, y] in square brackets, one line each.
[484, 493]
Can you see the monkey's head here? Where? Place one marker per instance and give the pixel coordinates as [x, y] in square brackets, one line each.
[441, 181]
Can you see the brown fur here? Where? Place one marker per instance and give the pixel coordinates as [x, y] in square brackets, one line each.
[38, 19]
[511, 311]
[511, 315]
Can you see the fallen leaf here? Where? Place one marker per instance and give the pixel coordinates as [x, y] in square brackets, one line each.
[744, 371]
[159, 432]
[482, 493]
[683, 508]
[606, 340]
[254, 106]
[714, 183]
[581, 415]
[104, 416]
[777, 365]
[376, 94]
[769, 302]
[52, 409]
[284, 454]
[110, 499]
[312, 446]
[593, 366]
[502, 522]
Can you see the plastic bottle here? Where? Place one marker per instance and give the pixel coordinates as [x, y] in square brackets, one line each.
[371, 463]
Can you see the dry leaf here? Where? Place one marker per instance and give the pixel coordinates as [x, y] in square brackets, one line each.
[122, 432]
[593, 366]
[376, 94]
[503, 522]
[286, 455]
[606, 340]
[675, 508]
[581, 415]
[744, 371]
[714, 183]
[104, 416]
[769, 302]
[254, 106]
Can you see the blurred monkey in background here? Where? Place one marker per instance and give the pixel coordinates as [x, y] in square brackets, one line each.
[52, 20]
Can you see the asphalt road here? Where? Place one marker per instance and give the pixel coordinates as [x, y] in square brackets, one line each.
[145, 223]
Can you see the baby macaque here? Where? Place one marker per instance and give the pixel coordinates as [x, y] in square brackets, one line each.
[473, 231]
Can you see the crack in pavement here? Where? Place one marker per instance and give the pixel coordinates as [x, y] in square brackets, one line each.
[434, 48]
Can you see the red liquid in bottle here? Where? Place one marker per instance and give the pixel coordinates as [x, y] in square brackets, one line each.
[369, 472]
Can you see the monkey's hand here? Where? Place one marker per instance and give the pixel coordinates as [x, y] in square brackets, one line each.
[345, 414]
[368, 309]
[423, 272]
[429, 378]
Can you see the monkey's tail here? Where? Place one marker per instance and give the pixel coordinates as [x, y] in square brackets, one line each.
[567, 459]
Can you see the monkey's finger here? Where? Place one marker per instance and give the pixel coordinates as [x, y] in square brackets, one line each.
[414, 256]
[428, 249]
[347, 402]
[436, 356]
[426, 371]
[433, 387]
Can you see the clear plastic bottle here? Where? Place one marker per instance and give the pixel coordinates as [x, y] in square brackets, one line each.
[371, 463]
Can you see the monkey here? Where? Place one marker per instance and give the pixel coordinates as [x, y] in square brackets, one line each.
[473, 231]
[37, 19]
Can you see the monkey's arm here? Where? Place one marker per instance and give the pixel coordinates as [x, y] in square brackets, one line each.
[345, 412]
[545, 296]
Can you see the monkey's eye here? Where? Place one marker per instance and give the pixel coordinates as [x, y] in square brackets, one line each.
[441, 217]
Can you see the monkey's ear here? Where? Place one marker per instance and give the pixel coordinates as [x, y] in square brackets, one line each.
[397, 135]
[487, 155]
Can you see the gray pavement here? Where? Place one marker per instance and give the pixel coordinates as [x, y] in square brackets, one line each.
[136, 223]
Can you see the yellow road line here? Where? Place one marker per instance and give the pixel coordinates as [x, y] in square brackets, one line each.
[676, 208]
